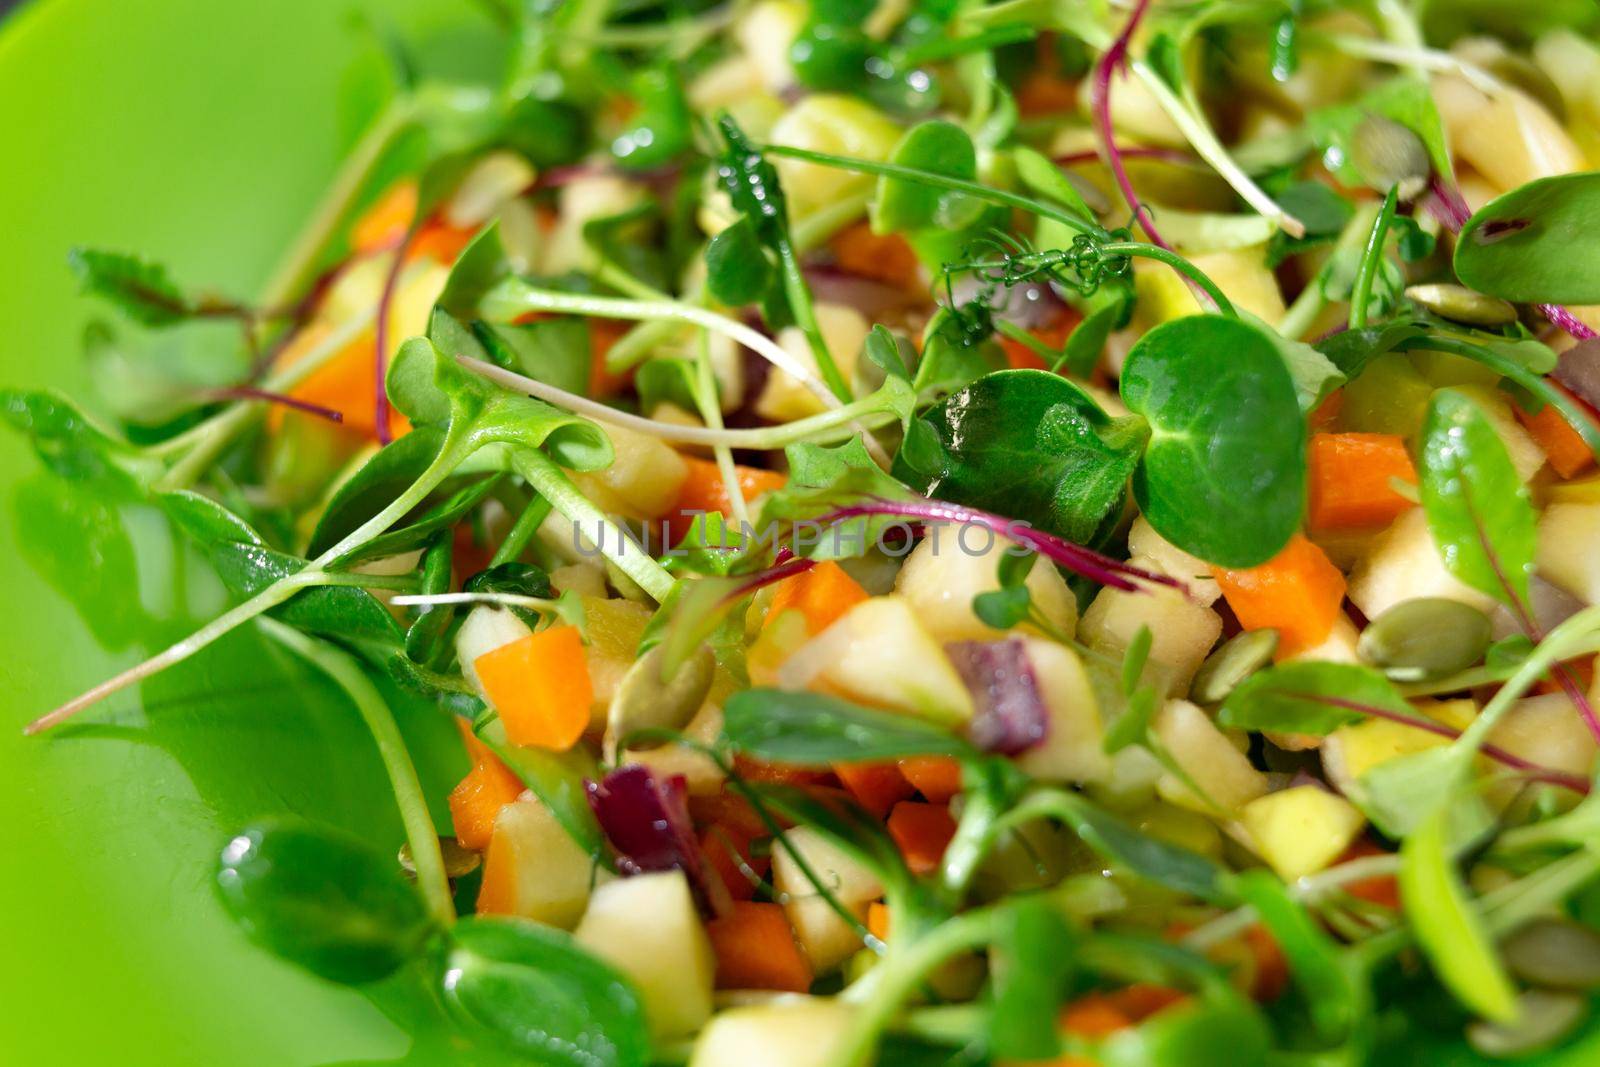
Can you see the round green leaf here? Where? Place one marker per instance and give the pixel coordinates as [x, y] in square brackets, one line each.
[1030, 445]
[322, 899]
[534, 988]
[904, 205]
[1224, 476]
[1539, 243]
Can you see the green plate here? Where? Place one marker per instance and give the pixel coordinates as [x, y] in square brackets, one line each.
[200, 133]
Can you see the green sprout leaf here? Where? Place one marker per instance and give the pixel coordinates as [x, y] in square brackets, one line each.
[1539, 243]
[813, 729]
[1310, 697]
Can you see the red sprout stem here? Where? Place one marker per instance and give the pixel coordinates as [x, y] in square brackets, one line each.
[787, 566]
[1576, 783]
[1446, 205]
[1079, 560]
[250, 392]
[380, 392]
[1161, 155]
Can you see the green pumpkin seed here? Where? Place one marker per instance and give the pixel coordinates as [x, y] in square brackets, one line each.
[1526, 75]
[1425, 638]
[644, 701]
[1460, 304]
[1387, 153]
[1543, 1019]
[458, 862]
[1235, 660]
[1555, 954]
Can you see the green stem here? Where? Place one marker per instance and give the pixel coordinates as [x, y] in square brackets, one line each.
[805, 317]
[301, 261]
[1561, 643]
[421, 834]
[972, 840]
[1177, 263]
[1371, 257]
[941, 181]
[521, 531]
[550, 482]
[456, 446]
[882, 994]
[710, 407]
[950, 47]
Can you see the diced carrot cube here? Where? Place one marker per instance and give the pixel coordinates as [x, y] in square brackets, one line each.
[727, 809]
[476, 749]
[921, 831]
[1052, 335]
[477, 800]
[1096, 1015]
[1569, 454]
[1326, 413]
[878, 920]
[756, 949]
[346, 383]
[440, 242]
[1382, 889]
[876, 786]
[937, 778]
[756, 770]
[703, 491]
[1351, 480]
[540, 686]
[821, 594]
[1298, 592]
[728, 850]
[603, 333]
[387, 220]
[882, 257]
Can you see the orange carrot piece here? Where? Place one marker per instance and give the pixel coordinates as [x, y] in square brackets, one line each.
[1052, 335]
[878, 787]
[1100, 1014]
[727, 809]
[345, 383]
[885, 258]
[921, 831]
[1382, 889]
[1325, 414]
[937, 778]
[477, 800]
[497, 893]
[476, 749]
[728, 850]
[878, 920]
[1298, 593]
[387, 220]
[821, 594]
[1351, 477]
[1569, 454]
[756, 770]
[440, 242]
[703, 491]
[756, 949]
[540, 686]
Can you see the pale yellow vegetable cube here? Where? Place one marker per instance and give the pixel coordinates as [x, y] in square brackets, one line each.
[1241, 273]
[648, 928]
[824, 936]
[1506, 136]
[1351, 751]
[788, 1032]
[786, 398]
[841, 125]
[1072, 747]
[1547, 730]
[1338, 647]
[1209, 760]
[702, 775]
[953, 564]
[1569, 549]
[1182, 631]
[485, 629]
[643, 480]
[1526, 455]
[765, 34]
[1192, 571]
[1402, 564]
[548, 875]
[879, 653]
[1302, 830]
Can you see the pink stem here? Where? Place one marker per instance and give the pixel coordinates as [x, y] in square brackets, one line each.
[1574, 782]
[1452, 211]
[250, 392]
[1081, 561]
[1162, 155]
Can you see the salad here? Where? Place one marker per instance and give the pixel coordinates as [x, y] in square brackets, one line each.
[951, 533]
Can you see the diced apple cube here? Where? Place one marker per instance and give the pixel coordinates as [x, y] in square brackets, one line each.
[1182, 632]
[534, 868]
[485, 629]
[879, 653]
[1192, 571]
[1072, 747]
[1547, 730]
[1209, 760]
[824, 936]
[786, 398]
[1351, 751]
[1404, 564]
[647, 927]
[952, 565]
[1569, 549]
[643, 479]
[702, 775]
[791, 1032]
[1301, 830]
[613, 627]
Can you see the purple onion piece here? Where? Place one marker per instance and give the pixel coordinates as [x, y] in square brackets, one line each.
[1010, 716]
[646, 819]
[1579, 370]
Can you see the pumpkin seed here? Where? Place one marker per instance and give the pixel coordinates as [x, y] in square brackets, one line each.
[1543, 1019]
[1425, 638]
[1236, 659]
[1460, 304]
[458, 862]
[644, 700]
[1555, 954]
[1387, 153]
